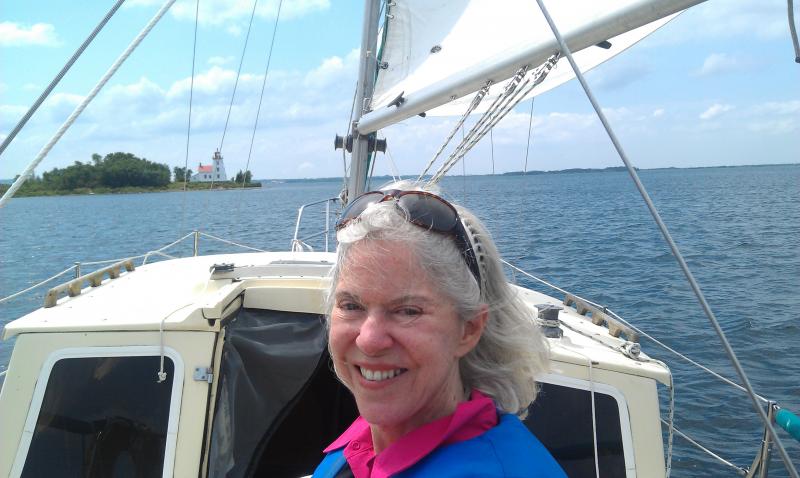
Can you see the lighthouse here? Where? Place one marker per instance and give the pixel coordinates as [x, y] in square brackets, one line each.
[212, 172]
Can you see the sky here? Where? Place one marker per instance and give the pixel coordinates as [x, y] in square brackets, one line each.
[716, 86]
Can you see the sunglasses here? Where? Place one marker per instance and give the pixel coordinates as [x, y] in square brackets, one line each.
[422, 209]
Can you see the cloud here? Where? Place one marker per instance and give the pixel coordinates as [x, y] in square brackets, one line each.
[657, 113]
[31, 87]
[765, 19]
[331, 70]
[221, 12]
[220, 60]
[3, 88]
[720, 63]
[781, 108]
[775, 117]
[305, 166]
[14, 34]
[714, 111]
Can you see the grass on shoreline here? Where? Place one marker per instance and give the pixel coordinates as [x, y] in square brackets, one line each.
[36, 189]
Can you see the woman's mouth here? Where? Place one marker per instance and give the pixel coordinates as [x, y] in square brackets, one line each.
[380, 375]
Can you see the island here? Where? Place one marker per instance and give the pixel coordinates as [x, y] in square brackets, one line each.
[120, 172]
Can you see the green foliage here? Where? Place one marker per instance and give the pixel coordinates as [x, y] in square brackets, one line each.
[245, 177]
[115, 170]
[179, 174]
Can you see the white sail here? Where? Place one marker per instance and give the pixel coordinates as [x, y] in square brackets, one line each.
[430, 41]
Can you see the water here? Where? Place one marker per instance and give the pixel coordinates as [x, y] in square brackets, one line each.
[590, 233]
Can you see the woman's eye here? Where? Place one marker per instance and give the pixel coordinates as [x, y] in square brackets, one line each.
[349, 306]
[409, 312]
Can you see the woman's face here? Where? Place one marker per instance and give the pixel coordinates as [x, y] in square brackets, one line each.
[396, 339]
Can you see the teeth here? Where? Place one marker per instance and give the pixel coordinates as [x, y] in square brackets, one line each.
[378, 375]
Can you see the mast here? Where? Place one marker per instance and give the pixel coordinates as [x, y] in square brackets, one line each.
[366, 82]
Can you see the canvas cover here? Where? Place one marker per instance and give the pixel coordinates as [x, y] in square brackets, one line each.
[268, 358]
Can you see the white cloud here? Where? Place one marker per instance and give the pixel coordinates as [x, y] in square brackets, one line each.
[234, 30]
[717, 63]
[781, 108]
[220, 60]
[3, 88]
[14, 34]
[714, 111]
[305, 166]
[31, 87]
[657, 113]
[765, 19]
[775, 117]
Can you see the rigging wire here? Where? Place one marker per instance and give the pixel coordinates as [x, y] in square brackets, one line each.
[28, 171]
[491, 144]
[235, 86]
[515, 91]
[263, 86]
[793, 31]
[189, 122]
[672, 245]
[528, 146]
[59, 76]
[238, 74]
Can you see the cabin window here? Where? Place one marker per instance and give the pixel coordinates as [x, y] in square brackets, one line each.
[562, 407]
[102, 416]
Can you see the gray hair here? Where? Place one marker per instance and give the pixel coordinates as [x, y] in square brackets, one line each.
[512, 350]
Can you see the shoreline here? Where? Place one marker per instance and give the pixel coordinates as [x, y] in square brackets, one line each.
[172, 187]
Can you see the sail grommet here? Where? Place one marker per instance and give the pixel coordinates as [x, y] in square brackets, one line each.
[436, 48]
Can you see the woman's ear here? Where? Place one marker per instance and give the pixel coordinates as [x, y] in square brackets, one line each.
[472, 331]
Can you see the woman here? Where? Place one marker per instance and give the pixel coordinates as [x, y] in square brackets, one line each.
[432, 342]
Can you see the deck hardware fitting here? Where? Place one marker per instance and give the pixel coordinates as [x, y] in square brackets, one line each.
[75, 286]
[203, 374]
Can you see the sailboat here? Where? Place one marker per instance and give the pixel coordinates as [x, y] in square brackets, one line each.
[217, 365]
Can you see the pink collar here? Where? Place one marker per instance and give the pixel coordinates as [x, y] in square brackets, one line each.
[471, 418]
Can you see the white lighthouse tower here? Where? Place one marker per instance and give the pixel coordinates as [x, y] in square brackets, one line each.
[212, 172]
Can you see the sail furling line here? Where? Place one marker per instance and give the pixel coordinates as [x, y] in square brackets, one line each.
[59, 76]
[28, 172]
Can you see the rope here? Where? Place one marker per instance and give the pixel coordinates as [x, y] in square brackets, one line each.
[671, 424]
[261, 98]
[636, 329]
[59, 76]
[231, 242]
[739, 470]
[79, 109]
[145, 257]
[672, 245]
[12, 296]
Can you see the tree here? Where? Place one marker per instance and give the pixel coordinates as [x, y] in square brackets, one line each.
[245, 177]
[180, 173]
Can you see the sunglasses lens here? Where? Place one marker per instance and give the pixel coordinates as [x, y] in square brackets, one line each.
[358, 206]
[429, 211]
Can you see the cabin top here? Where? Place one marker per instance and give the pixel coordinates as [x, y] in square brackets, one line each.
[204, 289]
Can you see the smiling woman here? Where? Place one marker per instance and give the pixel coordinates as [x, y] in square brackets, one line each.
[430, 339]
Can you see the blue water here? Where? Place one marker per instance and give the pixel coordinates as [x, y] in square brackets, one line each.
[589, 233]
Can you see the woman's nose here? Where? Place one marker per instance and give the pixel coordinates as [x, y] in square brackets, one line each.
[374, 335]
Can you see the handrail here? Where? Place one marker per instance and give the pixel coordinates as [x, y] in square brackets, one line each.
[300, 242]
